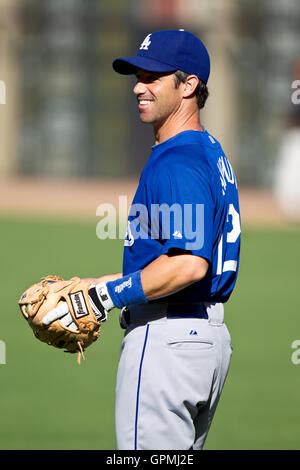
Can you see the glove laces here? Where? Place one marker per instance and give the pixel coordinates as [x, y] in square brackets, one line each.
[80, 353]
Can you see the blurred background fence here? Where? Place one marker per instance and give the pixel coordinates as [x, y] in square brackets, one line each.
[68, 114]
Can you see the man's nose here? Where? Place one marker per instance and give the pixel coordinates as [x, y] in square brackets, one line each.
[139, 88]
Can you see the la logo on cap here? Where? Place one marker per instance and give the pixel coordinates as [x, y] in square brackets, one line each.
[146, 43]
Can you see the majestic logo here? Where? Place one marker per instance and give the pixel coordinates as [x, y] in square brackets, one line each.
[78, 303]
[177, 234]
[146, 43]
[193, 333]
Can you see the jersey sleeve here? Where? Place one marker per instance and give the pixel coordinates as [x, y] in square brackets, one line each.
[184, 209]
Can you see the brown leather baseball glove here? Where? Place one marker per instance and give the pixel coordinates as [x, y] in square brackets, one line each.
[77, 327]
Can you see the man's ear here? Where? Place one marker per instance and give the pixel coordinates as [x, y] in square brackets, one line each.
[190, 85]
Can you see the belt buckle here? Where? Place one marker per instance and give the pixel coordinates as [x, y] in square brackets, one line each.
[124, 318]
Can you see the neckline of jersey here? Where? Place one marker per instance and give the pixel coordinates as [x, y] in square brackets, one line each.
[178, 136]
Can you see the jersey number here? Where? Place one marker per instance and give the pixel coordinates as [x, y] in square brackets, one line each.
[232, 236]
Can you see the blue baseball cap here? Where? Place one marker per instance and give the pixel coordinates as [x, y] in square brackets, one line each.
[168, 51]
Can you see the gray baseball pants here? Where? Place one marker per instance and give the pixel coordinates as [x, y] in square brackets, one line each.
[170, 377]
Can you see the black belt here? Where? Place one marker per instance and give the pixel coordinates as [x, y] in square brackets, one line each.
[173, 310]
[188, 310]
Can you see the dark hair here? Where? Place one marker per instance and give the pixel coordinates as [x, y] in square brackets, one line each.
[201, 91]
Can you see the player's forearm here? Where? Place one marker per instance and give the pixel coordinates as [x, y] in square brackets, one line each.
[106, 278]
[164, 276]
[169, 274]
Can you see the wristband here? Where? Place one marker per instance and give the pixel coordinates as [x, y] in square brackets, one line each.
[127, 291]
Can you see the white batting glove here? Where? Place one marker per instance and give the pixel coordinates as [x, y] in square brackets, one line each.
[101, 304]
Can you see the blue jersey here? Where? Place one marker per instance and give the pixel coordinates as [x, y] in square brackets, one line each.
[187, 201]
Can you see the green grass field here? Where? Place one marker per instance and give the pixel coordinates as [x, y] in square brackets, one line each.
[48, 402]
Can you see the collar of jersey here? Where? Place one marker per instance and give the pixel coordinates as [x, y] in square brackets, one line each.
[181, 136]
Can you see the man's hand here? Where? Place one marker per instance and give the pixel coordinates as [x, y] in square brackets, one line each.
[66, 314]
[100, 303]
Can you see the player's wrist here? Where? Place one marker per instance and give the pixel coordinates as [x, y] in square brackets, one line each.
[127, 290]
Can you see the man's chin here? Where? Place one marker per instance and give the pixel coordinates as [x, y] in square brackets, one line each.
[146, 119]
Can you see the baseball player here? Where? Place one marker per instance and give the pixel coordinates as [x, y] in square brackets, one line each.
[181, 257]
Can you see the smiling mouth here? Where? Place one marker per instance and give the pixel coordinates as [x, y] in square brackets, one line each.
[144, 102]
